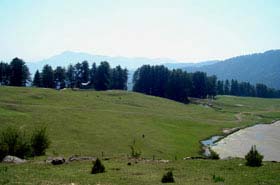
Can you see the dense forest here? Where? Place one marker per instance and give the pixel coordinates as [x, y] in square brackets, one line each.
[156, 80]
[179, 85]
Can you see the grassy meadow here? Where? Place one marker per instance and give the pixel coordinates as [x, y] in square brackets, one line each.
[85, 122]
[192, 172]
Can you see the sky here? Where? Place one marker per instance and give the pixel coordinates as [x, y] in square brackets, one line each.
[184, 30]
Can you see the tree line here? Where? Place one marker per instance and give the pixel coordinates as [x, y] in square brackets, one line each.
[80, 75]
[178, 85]
[236, 88]
[174, 84]
[156, 80]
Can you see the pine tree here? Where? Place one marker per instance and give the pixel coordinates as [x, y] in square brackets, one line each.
[103, 76]
[227, 88]
[261, 90]
[220, 87]
[98, 167]
[4, 73]
[19, 74]
[234, 88]
[118, 78]
[59, 77]
[253, 157]
[199, 84]
[70, 76]
[47, 77]
[78, 75]
[212, 86]
[92, 75]
[37, 82]
[85, 72]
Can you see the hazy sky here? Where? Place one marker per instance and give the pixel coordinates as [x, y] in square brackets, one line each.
[188, 30]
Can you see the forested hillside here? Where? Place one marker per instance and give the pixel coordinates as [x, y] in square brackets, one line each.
[256, 68]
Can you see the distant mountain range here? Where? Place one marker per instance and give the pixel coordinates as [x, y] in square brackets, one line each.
[189, 64]
[255, 68]
[70, 57]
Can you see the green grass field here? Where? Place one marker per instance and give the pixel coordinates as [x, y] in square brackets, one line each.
[193, 172]
[90, 122]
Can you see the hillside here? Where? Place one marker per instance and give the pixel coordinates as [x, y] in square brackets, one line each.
[255, 68]
[90, 122]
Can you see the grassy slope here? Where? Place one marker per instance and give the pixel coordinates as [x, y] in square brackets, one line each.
[88, 122]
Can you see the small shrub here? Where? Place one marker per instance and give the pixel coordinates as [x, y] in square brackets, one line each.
[98, 167]
[135, 152]
[253, 157]
[214, 155]
[14, 142]
[218, 178]
[168, 177]
[39, 141]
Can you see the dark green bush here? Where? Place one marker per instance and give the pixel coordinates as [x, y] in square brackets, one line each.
[98, 167]
[218, 178]
[13, 142]
[214, 155]
[253, 157]
[39, 142]
[168, 177]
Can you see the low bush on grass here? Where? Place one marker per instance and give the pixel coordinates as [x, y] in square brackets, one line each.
[15, 142]
[39, 141]
[214, 155]
[135, 152]
[253, 157]
[218, 178]
[98, 167]
[168, 177]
